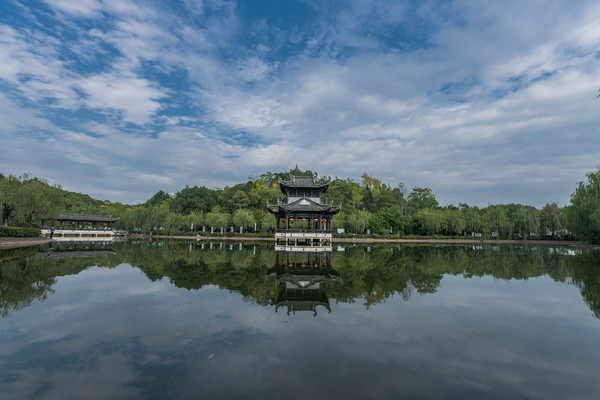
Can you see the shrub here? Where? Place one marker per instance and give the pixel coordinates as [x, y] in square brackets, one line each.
[15, 231]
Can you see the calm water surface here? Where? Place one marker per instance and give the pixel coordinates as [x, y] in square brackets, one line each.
[219, 320]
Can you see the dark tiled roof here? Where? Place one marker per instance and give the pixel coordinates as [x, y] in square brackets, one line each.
[303, 204]
[303, 182]
[86, 218]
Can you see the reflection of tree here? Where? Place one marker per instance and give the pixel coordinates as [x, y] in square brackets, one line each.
[25, 278]
[368, 274]
[585, 273]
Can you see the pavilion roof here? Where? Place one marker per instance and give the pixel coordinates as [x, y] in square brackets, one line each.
[304, 182]
[86, 218]
[303, 204]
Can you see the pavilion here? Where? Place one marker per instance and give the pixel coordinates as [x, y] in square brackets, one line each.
[304, 217]
[81, 225]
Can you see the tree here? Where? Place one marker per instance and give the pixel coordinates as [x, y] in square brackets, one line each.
[524, 220]
[400, 194]
[455, 222]
[393, 217]
[28, 199]
[217, 219]
[346, 192]
[497, 220]
[10, 193]
[474, 220]
[157, 199]
[176, 223]
[244, 218]
[240, 200]
[262, 192]
[266, 220]
[358, 221]
[193, 199]
[431, 220]
[583, 217]
[550, 219]
[420, 198]
[339, 220]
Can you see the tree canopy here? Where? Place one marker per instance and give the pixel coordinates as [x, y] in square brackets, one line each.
[369, 205]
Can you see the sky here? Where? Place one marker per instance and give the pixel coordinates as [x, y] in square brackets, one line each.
[484, 102]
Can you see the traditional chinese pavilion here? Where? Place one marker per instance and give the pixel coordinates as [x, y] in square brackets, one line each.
[81, 225]
[304, 217]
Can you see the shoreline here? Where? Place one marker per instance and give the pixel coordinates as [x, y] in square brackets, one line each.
[373, 240]
[7, 243]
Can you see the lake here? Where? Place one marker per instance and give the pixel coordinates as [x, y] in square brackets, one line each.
[178, 320]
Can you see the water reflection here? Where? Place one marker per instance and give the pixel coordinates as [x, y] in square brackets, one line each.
[196, 320]
[302, 280]
[369, 274]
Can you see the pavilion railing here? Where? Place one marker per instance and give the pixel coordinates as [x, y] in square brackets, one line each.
[302, 231]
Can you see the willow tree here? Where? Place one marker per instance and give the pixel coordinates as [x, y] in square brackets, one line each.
[27, 199]
[583, 218]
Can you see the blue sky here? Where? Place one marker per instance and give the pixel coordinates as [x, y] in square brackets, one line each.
[484, 102]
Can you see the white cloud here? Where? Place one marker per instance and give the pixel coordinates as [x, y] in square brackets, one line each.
[494, 98]
[135, 98]
[80, 8]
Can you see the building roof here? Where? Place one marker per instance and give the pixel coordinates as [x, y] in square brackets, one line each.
[303, 204]
[309, 182]
[86, 218]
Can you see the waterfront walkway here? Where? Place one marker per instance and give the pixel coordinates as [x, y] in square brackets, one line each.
[13, 243]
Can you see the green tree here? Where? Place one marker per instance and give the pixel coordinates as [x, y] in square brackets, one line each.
[550, 219]
[262, 192]
[497, 220]
[240, 200]
[430, 220]
[217, 219]
[339, 220]
[583, 217]
[10, 194]
[266, 220]
[524, 220]
[244, 218]
[474, 219]
[175, 223]
[420, 198]
[400, 194]
[157, 199]
[454, 221]
[346, 192]
[358, 221]
[394, 218]
[28, 200]
[193, 199]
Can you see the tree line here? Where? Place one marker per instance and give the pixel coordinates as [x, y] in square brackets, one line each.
[370, 206]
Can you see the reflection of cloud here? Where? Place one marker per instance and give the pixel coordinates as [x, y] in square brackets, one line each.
[120, 335]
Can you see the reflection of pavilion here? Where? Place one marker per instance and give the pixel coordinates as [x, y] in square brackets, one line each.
[78, 248]
[301, 280]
